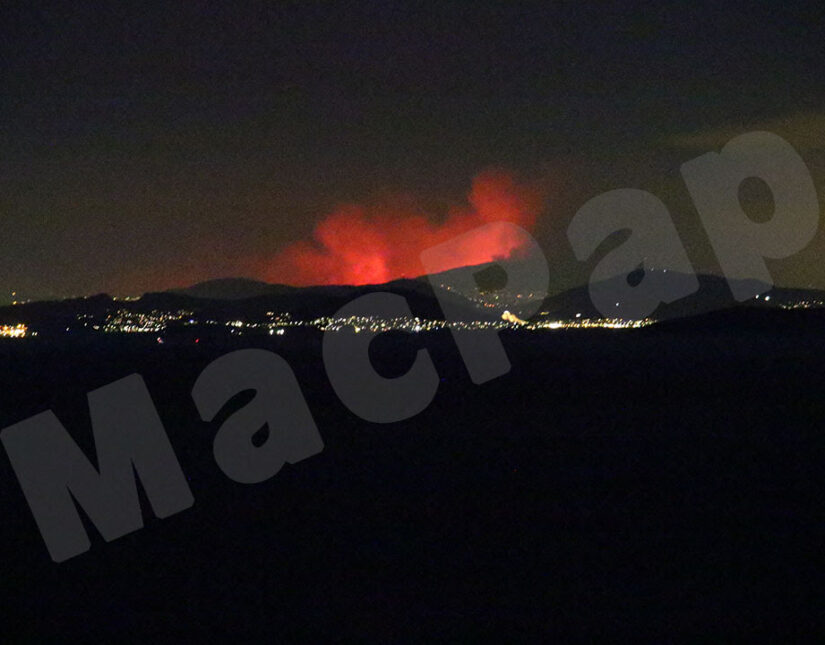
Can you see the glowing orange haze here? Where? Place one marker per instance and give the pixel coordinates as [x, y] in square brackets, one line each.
[370, 245]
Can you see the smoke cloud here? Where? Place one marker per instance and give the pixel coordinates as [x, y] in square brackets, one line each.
[371, 244]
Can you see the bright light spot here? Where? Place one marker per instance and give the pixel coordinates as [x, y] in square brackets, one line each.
[13, 331]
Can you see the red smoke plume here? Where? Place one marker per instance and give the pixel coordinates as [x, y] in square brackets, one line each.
[371, 245]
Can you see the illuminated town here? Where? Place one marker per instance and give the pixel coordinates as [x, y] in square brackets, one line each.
[157, 322]
[118, 317]
[123, 321]
[154, 322]
[804, 304]
[13, 331]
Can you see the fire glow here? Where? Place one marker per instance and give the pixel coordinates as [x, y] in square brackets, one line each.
[371, 245]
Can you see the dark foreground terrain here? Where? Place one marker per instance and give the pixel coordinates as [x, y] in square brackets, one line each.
[658, 484]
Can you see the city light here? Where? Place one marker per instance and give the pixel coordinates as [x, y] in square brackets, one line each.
[13, 331]
[120, 320]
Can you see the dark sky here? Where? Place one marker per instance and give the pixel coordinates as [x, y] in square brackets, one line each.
[148, 147]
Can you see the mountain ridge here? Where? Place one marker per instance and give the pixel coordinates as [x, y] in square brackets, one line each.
[247, 299]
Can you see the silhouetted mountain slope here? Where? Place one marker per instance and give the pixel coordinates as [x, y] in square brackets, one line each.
[242, 299]
[56, 315]
[81, 315]
[233, 289]
[750, 318]
[713, 294]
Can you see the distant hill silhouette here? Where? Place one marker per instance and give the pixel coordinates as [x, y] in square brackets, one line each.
[714, 294]
[54, 316]
[230, 300]
[305, 302]
[749, 319]
[245, 299]
[233, 289]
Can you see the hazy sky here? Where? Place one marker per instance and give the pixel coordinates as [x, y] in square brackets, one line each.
[148, 147]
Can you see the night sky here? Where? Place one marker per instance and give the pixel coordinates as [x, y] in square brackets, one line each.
[150, 147]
